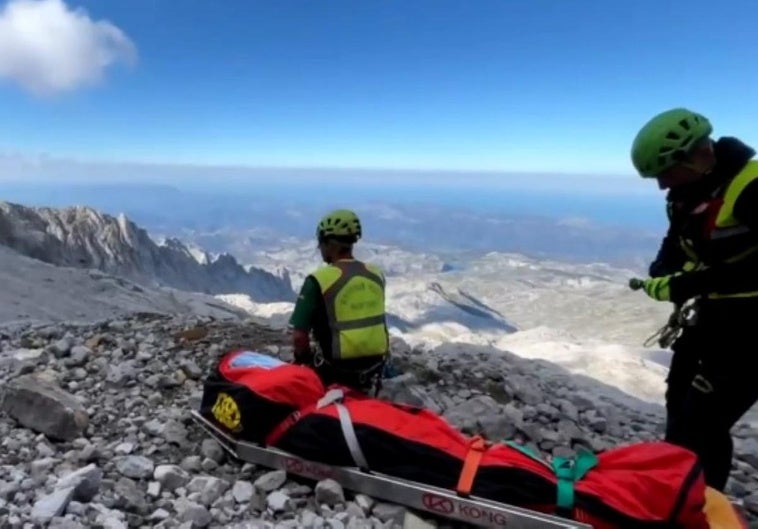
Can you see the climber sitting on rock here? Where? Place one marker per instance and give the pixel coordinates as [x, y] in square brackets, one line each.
[343, 303]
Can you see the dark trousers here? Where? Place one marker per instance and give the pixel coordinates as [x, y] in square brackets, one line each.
[712, 383]
[362, 374]
[365, 380]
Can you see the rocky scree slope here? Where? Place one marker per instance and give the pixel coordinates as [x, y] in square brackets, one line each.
[83, 237]
[34, 291]
[95, 431]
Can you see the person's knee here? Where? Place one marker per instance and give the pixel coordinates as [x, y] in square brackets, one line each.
[711, 440]
[685, 434]
[688, 426]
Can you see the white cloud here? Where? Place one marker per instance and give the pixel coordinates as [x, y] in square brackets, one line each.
[47, 47]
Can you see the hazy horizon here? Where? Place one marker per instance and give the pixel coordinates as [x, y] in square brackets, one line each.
[574, 226]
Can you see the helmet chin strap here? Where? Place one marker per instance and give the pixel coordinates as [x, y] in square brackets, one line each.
[695, 167]
[698, 168]
[685, 161]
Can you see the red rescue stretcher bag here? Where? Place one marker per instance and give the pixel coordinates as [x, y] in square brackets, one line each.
[249, 393]
[643, 485]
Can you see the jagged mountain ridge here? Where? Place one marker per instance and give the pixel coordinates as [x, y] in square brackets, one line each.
[83, 237]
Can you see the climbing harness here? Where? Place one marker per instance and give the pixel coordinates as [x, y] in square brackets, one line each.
[370, 378]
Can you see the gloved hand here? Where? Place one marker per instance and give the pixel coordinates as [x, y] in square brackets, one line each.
[657, 288]
[301, 347]
[389, 370]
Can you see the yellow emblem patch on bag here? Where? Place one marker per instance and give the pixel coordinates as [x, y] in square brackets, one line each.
[226, 411]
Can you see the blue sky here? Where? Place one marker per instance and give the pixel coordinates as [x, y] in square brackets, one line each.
[533, 85]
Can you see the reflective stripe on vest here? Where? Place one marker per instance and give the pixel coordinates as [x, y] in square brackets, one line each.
[725, 218]
[355, 307]
[726, 227]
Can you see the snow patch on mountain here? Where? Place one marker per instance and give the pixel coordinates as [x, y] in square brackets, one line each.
[274, 314]
[189, 249]
[435, 313]
[637, 370]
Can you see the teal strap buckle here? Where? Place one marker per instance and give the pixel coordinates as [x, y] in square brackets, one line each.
[569, 470]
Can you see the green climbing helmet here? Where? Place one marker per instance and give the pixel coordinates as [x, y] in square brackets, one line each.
[340, 224]
[666, 138]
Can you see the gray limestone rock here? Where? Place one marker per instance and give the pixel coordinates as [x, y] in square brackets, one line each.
[38, 404]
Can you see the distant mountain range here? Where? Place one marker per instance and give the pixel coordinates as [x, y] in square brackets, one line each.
[83, 237]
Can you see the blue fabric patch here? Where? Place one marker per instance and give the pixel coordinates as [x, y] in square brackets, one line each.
[254, 359]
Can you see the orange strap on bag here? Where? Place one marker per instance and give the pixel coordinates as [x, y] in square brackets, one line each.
[476, 450]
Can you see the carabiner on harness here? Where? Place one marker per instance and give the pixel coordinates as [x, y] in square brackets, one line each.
[370, 377]
[318, 358]
[684, 315]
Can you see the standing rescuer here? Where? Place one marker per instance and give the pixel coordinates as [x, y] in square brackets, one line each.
[343, 303]
[709, 257]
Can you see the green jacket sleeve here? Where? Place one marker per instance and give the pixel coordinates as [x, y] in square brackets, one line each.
[305, 307]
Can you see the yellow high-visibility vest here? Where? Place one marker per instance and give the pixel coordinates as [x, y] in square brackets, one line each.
[729, 240]
[354, 295]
